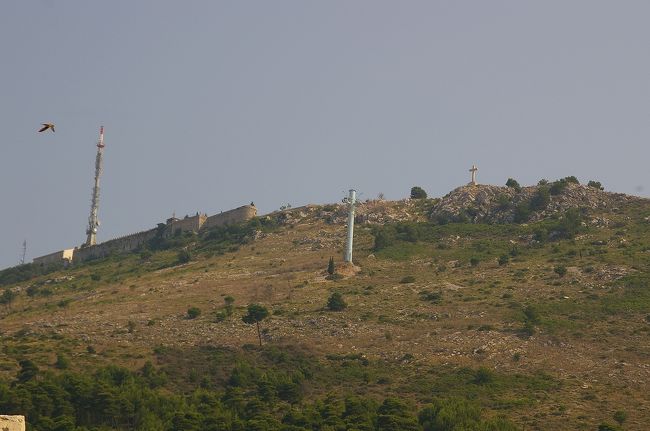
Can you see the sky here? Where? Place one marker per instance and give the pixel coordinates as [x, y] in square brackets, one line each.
[209, 105]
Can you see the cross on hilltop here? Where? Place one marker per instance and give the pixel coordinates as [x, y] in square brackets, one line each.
[473, 171]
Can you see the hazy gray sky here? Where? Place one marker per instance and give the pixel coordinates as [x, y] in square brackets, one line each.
[209, 105]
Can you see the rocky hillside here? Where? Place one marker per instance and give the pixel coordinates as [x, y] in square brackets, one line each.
[495, 204]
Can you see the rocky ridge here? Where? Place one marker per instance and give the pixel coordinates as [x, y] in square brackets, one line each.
[498, 204]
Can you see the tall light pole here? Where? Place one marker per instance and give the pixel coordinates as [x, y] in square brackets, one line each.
[351, 200]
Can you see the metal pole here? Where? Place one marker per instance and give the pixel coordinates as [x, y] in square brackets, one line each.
[348, 245]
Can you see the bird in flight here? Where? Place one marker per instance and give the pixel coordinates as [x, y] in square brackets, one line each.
[47, 126]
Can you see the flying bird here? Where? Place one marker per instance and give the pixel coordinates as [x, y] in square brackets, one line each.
[47, 126]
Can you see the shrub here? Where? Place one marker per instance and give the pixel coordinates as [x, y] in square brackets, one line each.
[522, 212]
[228, 301]
[330, 266]
[620, 416]
[483, 376]
[407, 279]
[560, 270]
[62, 361]
[504, 259]
[193, 312]
[503, 201]
[433, 297]
[95, 277]
[474, 261]
[595, 184]
[183, 256]
[540, 199]
[336, 302]
[418, 193]
[512, 183]
[7, 297]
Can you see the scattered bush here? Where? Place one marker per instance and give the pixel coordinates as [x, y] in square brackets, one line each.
[474, 261]
[336, 302]
[228, 304]
[595, 184]
[62, 361]
[560, 270]
[193, 312]
[183, 256]
[330, 266]
[418, 193]
[512, 183]
[407, 279]
[504, 259]
[620, 416]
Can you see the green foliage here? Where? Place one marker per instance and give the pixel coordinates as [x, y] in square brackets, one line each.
[336, 303]
[21, 273]
[193, 312]
[540, 199]
[512, 183]
[433, 297]
[595, 184]
[394, 415]
[256, 313]
[330, 266]
[620, 416]
[418, 193]
[522, 212]
[228, 304]
[456, 414]
[608, 427]
[183, 256]
[474, 261]
[560, 270]
[504, 259]
[407, 279]
[62, 362]
[7, 297]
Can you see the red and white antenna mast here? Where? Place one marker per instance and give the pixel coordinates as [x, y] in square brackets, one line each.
[93, 222]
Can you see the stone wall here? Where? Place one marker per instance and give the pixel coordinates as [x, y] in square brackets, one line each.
[118, 245]
[62, 257]
[131, 242]
[237, 215]
[187, 224]
[12, 423]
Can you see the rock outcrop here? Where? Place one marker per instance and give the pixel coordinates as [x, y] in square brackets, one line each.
[496, 204]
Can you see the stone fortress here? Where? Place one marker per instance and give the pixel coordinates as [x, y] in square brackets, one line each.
[133, 241]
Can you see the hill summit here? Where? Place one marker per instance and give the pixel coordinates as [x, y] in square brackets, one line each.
[500, 204]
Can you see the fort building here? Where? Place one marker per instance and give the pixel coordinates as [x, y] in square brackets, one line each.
[133, 241]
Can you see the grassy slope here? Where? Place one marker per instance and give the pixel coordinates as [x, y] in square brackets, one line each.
[586, 358]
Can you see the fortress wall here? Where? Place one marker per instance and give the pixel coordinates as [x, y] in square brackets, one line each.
[133, 241]
[237, 215]
[192, 224]
[117, 245]
[58, 257]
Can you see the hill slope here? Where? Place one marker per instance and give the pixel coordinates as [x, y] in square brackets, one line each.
[544, 322]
